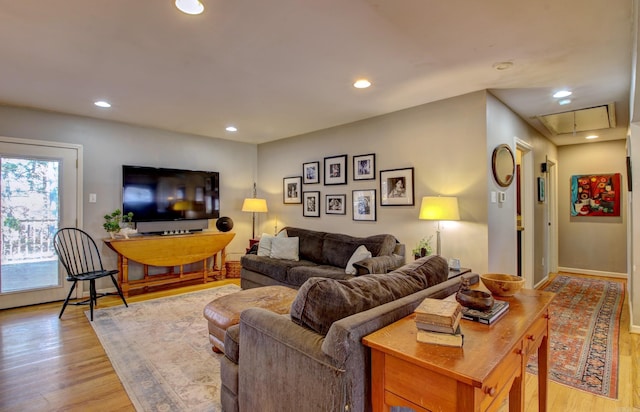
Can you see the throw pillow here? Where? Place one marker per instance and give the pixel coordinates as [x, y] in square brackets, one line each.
[285, 248]
[359, 254]
[264, 246]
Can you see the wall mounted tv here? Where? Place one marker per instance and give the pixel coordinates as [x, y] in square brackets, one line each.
[160, 194]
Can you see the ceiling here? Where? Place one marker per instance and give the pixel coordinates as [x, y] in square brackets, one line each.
[280, 68]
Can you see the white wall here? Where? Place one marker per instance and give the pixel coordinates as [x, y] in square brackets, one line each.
[503, 127]
[443, 141]
[109, 145]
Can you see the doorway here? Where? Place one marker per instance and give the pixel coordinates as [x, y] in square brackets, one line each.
[525, 211]
[39, 187]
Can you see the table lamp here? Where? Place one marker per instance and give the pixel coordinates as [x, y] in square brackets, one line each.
[439, 208]
[254, 205]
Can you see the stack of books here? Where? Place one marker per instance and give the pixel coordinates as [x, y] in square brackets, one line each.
[438, 322]
[500, 307]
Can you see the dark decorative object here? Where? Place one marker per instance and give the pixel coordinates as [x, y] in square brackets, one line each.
[224, 224]
[474, 299]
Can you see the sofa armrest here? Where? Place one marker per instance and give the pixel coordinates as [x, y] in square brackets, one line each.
[282, 366]
[378, 264]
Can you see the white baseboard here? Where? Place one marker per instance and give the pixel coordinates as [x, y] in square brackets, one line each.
[593, 272]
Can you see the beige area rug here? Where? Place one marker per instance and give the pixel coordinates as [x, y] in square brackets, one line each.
[160, 350]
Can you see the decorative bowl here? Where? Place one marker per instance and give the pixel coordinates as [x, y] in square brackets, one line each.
[501, 284]
[474, 299]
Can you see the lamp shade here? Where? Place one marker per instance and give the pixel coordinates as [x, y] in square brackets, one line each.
[439, 208]
[252, 204]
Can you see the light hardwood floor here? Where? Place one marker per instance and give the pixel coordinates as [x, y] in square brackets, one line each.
[47, 364]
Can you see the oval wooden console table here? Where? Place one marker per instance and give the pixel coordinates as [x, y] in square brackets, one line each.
[170, 251]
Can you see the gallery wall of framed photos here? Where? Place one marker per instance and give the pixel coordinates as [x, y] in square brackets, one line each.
[394, 188]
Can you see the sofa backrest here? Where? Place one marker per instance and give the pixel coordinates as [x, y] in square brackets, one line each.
[335, 249]
[322, 301]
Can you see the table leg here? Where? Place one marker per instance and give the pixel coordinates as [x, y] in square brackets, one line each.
[516, 393]
[543, 371]
[124, 270]
[377, 382]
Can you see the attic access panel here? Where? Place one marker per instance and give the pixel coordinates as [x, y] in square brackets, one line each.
[593, 118]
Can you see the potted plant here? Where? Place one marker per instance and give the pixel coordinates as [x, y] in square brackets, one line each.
[113, 221]
[423, 248]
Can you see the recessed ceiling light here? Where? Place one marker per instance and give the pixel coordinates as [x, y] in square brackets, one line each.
[190, 6]
[231, 129]
[562, 93]
[593, 136]
[503, 65]
[102, 103]
[362, 84]
[564, 101]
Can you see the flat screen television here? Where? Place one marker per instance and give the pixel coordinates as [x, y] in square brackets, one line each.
[161, 194]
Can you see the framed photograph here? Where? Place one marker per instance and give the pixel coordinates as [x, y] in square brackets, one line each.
[335, 204]
[364, 167]
[292, 190]
[335, 170]
[364, 204]
[541, 189]
[396, 187]
[311, 204]
[311, 173]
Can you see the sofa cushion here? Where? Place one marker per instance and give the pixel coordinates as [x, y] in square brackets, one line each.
[310, 243]
[273, 268]
[285, 248]
[321, 301]
[266, 242]
[338, 248]
[359, 254]
[299, 274]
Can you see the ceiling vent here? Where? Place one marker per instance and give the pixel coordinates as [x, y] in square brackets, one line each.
[593, 118]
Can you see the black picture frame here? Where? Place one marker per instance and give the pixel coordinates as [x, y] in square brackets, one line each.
[364, 167]
[292, 190]
[541, 191]
[364, 205]
[311, 204]
[311, 173]
[396, 187]
[335, 170]
[335, 204]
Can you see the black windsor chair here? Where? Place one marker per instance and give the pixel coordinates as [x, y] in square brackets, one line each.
[79, 255]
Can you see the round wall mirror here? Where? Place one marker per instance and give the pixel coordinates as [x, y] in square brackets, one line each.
[503, 164]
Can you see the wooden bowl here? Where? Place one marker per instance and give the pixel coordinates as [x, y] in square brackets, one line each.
[501, 284]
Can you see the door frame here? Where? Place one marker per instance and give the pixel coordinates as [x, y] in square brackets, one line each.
[527, 206]
[78, 186]
[551, 217]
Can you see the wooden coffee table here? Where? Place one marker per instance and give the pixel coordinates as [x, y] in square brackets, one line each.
[477, 377]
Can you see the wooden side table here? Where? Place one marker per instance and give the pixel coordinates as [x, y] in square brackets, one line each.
[170, 251]
[477, 377]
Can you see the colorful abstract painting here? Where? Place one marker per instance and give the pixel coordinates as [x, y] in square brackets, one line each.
[595, 195]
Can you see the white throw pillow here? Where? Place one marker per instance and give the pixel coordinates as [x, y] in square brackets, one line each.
[264, 246]
[285, 248]
[359, 254]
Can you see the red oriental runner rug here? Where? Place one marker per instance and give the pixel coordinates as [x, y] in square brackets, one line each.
[584, 329]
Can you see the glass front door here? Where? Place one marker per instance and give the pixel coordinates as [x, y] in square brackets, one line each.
[37, 186]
